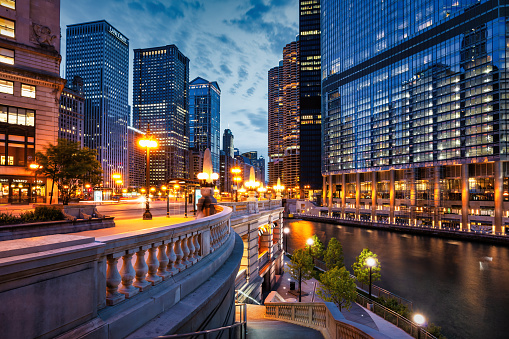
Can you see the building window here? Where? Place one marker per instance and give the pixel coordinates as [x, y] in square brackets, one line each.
[27, 91]
[17, 116]
[7, 56]
[6, 87]
[7, 27]
[8, 3]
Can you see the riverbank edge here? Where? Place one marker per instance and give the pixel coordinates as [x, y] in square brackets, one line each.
[431, 232]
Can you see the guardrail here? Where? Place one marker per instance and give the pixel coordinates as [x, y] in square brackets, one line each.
[251, 207]
[171, 250]
[397, 319]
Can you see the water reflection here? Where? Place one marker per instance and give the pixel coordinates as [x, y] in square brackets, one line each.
[462, 286]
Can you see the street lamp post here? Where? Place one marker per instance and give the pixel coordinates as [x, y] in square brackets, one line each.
[419, 320]
[147, 142]
[236, 178]
[35, 167]
[371, 262]
[167, 201]
[176, 188]
[310, 243]
[286, 230]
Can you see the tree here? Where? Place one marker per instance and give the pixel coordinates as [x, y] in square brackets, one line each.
[362, 271]
[300, 267]
[334, 254]
[317, 248]
[338, 287]
[69, 166]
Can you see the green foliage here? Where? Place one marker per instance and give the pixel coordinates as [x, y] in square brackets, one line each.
[317, 249]
[41, 213]
[334, 254]
[361, 269]
[338, 287]
[301, 266]
[69, 167]
[435, 330]
[394, 305]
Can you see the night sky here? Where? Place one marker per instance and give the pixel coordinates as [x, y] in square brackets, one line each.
[233, 42]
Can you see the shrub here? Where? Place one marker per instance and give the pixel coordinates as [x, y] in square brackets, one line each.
[41, 213]
[435, 330]
[394, 305]
[46, 213]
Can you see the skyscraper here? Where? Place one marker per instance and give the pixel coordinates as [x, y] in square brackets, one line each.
[72, 109]
[414, 123]
[275, 121]
[228, 147]
[161, 99]
[204, 118]
[99, 54]
[310, 95]
[30, 87]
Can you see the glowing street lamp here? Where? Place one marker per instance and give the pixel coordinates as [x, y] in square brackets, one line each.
[252, 185]
[278, 188]
[419, 320]
[236, 179]
[35, 167]
[148, 142]
[370, 262]
[164, 188]
[286, 230]
[310, 243]
[261, 190]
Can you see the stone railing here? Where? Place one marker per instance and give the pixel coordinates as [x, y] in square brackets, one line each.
[158, 255]
[251, 207]
[322, 316]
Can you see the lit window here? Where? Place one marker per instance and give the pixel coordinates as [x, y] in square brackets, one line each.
[8, 3]
[6, 87]
[27, 91]
[7, 27]
[7, 55]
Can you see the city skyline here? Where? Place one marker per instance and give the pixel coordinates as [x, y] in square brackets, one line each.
[229, 42]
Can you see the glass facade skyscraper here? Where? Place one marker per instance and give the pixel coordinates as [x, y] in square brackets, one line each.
[204, 118]
[228, 143]
[99, 54]
[161, 99]
[414, 116]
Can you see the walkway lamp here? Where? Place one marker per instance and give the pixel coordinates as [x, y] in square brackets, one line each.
[116, 178]
[35, 167]
[278, 188]
[310, 243]
[370, 262]
[261, 192]
[164, 188]
[148, 142]
[286, 230]
[176, 188]
[252, 185]
[419, 320]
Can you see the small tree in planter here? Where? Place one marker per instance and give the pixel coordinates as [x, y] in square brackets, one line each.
[333, 256]
[367, 268]
[69, 166]
[301, 267]
[338, 287]
[317, 249]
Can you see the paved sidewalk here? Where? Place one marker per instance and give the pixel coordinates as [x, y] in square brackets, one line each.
[260, 328]
[356, 313]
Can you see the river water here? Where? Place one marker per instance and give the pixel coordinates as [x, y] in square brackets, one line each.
[459, 285]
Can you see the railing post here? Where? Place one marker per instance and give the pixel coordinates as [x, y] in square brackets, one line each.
[113, 279]
[141, 269]
[293, 312]
[310, 314]
[153, 265]
[127, 272]
[163, 262]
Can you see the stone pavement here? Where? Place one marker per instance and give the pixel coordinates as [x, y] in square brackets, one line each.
[260, 328]
[356, 313]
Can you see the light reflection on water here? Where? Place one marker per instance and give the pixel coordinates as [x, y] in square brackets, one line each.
[452, 282]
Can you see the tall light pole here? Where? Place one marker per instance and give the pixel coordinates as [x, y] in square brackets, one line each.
[286, 230]
[310, 243]
[167, 201]
[149, 143]
[35, 167]
[370, 262]
[419, 320]
[117, 178]
[236, 179]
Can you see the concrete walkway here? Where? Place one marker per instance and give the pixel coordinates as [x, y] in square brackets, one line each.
[260, 328]
[356, 313]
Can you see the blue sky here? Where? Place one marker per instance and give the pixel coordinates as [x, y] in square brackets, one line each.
[233, 42]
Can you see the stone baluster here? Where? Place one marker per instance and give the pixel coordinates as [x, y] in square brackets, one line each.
[185, 250]
[178, 252]
[127, 272]
[163, 262]
[172, 264]
[153, 265]
[113, 279]
[213, 244]
[192, 249]
[141, 269]
[197, 246]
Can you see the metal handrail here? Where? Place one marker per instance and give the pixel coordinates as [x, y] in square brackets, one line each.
[206, 333]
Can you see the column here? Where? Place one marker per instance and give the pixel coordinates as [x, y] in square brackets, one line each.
[413, 196]
[373, 195]
[324, 190]
[343, 194]
[392, 197]
[357, 195]
[465, 225]
[499, 197]
[436, 195]
[330, 195]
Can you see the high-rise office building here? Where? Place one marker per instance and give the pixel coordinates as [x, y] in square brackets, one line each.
[204, 118]
[161, 100]
[30, 87]
[310, 95]
[415, 126]
[137, 159]
[228, 147]
[99, 53]
[72, 111]
[275, 123]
